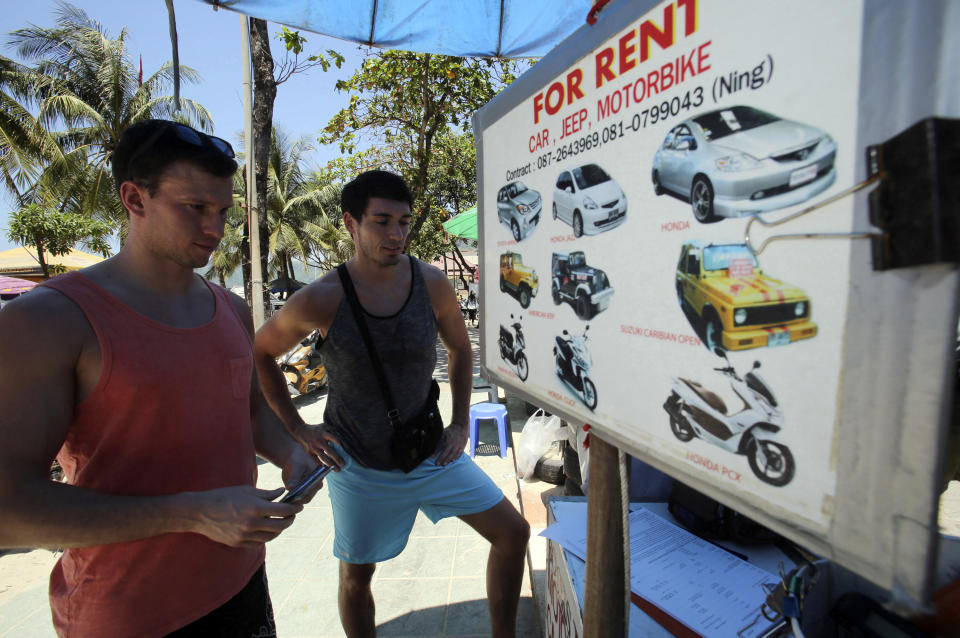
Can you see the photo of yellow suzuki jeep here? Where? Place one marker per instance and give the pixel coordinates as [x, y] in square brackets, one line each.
[732, 304]
[518, 280]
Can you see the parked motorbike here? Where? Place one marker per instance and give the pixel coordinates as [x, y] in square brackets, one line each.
[573, 365]
[303, 366]
[512, 344]
[753, 431]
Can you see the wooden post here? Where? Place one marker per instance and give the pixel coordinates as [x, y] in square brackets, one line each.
[603, 605]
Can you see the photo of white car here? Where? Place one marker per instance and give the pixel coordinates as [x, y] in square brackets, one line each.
[589, 200]
[739, 161]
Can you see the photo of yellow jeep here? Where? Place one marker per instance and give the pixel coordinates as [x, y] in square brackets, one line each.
[733, 305]
[518, 280]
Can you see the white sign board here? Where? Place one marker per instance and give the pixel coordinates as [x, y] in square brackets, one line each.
[617, 178]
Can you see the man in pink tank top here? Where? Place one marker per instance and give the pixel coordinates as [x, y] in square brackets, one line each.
[137, 375]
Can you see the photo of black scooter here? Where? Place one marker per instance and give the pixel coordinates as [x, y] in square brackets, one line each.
[512, 344]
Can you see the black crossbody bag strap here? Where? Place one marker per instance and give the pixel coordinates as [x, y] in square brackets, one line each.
[393, 415]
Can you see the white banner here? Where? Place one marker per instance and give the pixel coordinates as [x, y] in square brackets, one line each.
[622, 190]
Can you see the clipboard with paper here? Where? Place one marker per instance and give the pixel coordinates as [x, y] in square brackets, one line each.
[689, 586]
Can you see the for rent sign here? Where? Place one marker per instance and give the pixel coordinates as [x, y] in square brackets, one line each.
[622, 171]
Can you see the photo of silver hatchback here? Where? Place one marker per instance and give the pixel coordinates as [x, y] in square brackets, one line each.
[518, 208]
[739, 161]
[589, 200]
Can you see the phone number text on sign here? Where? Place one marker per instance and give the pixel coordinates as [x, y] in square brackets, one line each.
[610, 132]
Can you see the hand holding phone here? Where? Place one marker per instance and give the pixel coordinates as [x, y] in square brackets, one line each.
[297, 493]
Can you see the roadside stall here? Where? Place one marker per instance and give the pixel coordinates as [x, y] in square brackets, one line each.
[12, 287]
[461, 265]
[22, 263]
[804, 384]
[730, 231]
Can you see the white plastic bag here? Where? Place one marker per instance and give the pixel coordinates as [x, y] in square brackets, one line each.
[538, 433]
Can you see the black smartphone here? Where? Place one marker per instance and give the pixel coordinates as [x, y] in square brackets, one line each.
[306, 485]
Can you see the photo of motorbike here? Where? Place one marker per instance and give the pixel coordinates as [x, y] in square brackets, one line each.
[303, 366]
[573, 365]
[512, 344]
[753, 431]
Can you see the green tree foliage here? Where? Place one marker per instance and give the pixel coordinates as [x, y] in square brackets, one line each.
[84, 89]
[232, 251]
[304, 222]
[24, 144]
[297, 206]
[406, 109]
[57, 233]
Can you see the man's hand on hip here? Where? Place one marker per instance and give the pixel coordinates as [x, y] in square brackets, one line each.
[452, 444]
[317, 440]
[298, 466]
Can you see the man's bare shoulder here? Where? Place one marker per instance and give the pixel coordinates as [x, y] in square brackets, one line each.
[442, 297]
[431, 272]
[314, 306]
[44, 313]
[433, 275]
[323, 291]
[45, 324]
[241, 308]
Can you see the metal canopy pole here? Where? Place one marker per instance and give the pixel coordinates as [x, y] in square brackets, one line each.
[253, 225]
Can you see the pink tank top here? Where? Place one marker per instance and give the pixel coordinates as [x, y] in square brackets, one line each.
[170, 413]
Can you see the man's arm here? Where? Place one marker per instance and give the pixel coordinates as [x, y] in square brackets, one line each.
[44, 339]
[270, 438]
[453, 334]
[309, 309]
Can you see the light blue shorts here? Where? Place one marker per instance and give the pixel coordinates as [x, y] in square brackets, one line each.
[374, 510]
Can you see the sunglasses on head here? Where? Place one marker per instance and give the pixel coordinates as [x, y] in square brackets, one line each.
[189, 135]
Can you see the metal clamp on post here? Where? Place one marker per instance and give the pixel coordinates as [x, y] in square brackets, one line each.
[916, 205]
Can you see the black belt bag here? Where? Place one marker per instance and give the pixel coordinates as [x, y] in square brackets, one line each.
[412, 442]
[415, 440]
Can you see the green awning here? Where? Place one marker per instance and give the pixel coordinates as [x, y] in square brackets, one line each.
[463, 225]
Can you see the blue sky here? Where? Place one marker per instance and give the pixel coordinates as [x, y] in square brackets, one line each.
[209, 41]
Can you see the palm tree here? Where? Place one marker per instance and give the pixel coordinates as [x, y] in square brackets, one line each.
[230, 254]
[300, 208]
[24, 145]
[334, 245]
[303, 217]
[85, 82]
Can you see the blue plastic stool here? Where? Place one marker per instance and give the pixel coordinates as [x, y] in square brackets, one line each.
[496, 411]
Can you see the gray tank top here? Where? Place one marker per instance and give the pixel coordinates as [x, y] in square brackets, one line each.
[406, 342]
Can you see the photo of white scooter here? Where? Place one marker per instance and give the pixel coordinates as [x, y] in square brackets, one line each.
[753, 431]
[573, 365]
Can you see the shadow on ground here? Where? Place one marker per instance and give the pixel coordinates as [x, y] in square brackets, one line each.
[465, 619]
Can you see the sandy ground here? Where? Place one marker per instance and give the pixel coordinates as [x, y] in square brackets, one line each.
[21, 570]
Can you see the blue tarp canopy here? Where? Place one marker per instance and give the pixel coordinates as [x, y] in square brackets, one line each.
[491, 28]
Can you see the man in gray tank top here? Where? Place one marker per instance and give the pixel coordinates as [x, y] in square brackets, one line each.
[406, 304]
